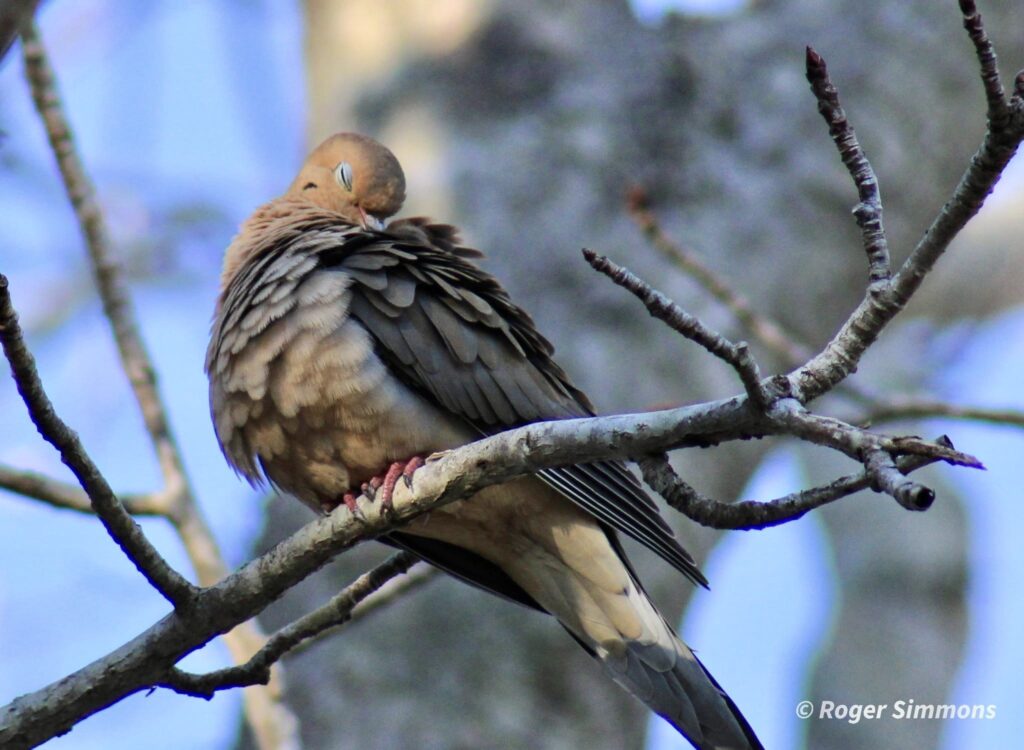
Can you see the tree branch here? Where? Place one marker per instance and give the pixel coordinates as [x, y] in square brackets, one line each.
[760, 327]
[897, 408]
[782, 409]
[869, 211]
[886, 477]
[884, 300]
[63, 495]
[144, 661]
[390, 592]
[119, 524]
[789, 348]
[107, 273]
[661, 307]
[751, 514]
[274, 726]
[333, 614]
[994, 95]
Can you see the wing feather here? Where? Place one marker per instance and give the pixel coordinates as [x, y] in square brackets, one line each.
[448, 330]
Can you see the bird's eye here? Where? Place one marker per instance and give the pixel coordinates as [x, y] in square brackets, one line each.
[343, 174]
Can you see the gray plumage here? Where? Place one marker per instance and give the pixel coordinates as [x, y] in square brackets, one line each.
[340, 347]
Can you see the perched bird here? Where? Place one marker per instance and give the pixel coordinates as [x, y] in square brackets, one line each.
[344, 350]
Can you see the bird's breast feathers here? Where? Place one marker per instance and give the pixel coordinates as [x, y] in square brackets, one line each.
[296, 388]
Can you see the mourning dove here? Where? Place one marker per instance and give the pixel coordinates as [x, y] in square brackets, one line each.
[343, 348]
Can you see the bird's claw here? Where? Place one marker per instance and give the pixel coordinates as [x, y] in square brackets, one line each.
[387, 506]
[384, 487]
[350, 502]
[410, 468]
[369, 488]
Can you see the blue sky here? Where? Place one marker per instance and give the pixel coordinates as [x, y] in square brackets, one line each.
[204, 123]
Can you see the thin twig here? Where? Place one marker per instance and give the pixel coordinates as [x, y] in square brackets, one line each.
[63, 495]
[882, 303]
[118, 522]
[389, 593]
[661, 307]
[793, 418]
[106, 270]
[274, 726]
[784, 410]
[869, 211]
[751, 514]
[994, 94]
[761, 328]
[337, 612]
[997, 149]
[885, 477]
[769, 333]
[787, 346]
[846, 438]
[898, 408]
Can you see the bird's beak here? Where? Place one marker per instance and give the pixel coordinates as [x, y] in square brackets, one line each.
[370, 222]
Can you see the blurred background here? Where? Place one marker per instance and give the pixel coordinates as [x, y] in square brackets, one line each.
[525, 123]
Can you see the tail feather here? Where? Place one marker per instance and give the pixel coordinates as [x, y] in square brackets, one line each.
[639, 650]
[673, 683]
[689, 699]
[574, 568]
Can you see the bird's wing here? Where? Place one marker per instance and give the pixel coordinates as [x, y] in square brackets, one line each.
[450, 332]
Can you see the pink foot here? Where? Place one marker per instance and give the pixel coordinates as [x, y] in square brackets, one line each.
[382, 486]
[385, 486]
[410, 468]
[351, 503]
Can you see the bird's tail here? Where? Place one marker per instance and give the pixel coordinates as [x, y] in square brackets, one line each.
[659, 670]
[595, 595]
[575, 569]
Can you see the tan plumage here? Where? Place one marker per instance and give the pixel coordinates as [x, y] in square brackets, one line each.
[340, 346]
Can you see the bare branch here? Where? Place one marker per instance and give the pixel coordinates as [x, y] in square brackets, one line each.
[869, 211]
[788, 347]
[767, 332]
[337, 612]
[119, 524]
[994, 95]
[856, 443]
[886, 477]
[274, 726]
[63, 495]
[761, 328]
[883, 301]
[897, 408]
[145, 660]
[987, 165]
[390, 592]
[106, 270]
[661, 307]
[752, 514]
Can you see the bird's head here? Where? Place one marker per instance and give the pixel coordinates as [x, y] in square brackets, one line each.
[354, 176]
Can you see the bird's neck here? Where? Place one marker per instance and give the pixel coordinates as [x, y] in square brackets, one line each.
[270, 225]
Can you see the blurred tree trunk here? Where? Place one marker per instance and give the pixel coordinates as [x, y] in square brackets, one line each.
[525, 123]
